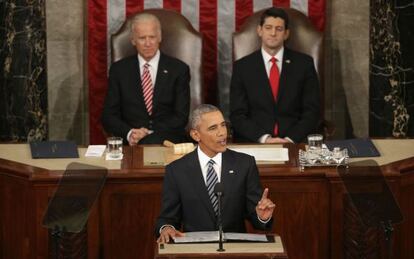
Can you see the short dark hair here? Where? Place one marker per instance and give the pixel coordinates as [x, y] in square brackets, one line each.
[195, 116]
[275, 13]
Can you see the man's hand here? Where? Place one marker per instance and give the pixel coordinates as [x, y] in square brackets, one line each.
[167, 233]
[276, 140]
[137, 135]
[265, 207]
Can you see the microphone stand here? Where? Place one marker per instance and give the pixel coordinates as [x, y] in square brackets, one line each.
[220, 249]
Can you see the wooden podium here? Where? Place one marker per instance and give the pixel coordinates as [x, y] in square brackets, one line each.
[313, 215]
[243, 250]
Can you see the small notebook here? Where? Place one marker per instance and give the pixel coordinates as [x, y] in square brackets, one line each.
[357, 147]
[54, 149]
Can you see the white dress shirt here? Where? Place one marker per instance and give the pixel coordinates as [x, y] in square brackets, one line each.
[153, 67]
[268, 65]
[204, 159]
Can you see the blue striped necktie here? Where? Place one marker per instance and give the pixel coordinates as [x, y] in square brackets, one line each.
[211, 181]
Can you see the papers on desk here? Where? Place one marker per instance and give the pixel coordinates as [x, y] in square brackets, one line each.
[95, 150]
[213, 236]
[268, 154]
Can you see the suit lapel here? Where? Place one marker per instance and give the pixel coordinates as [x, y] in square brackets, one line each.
[284, 75]
[160, 82]
[227, 168]
[137, 87]
[196, 178]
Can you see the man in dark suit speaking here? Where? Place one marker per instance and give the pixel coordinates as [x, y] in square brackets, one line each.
[274, 93]
[188, 199]
[148, 96]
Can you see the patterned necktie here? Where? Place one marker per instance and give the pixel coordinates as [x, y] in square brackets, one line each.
[147, 88]
[211, 181]
[274, 83]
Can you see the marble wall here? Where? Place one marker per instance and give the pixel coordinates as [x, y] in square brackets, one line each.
[346, 65]
[23, 88]
[392, 68]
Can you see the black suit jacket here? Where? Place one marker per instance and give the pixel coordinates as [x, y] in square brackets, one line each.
[253, 111]
[185, 200]
[124, 106]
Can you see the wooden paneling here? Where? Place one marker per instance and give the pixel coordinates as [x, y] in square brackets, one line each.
[311, 210]
[128, 218]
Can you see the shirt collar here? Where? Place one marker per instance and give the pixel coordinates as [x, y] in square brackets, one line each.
[278, 56]
[203, 158]
[152, 62]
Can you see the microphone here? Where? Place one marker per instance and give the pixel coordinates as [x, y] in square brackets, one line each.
[219, 189]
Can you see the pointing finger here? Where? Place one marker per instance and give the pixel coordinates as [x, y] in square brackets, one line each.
[265, 192]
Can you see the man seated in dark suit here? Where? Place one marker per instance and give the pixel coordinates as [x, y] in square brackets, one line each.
[148, 96]
[274, 93]
[188, 200]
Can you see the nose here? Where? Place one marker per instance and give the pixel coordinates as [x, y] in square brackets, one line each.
[222, 131]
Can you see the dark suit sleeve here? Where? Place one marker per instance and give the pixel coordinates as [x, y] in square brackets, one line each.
[171, 203]
[177, 117]
[111, 114]
[239, 107]
[310, 116]
[253, 195]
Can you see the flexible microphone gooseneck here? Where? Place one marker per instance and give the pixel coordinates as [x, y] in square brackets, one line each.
[218, 190]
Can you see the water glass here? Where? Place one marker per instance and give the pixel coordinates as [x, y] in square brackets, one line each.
[315, 142]
[114, 147]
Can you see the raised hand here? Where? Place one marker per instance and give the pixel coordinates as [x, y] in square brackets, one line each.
[265, 207]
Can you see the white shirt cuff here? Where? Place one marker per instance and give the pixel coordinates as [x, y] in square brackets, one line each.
[128, 135]
[263, 138]
[163, 226]
[291, 141]
[264, 221]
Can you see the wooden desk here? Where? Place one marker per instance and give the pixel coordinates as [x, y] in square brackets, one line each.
[273, 250]
[310, 214]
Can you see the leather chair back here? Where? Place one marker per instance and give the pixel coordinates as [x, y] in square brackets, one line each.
[304, 37]
[179, 40]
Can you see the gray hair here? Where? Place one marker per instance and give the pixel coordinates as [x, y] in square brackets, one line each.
[195, 116]
[144, 17]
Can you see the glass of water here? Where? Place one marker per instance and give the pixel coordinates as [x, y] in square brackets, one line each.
[315, 142]
[114, 147]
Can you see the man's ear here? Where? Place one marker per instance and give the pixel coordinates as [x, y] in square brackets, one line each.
[287, 33]
[195, 135]
[132, 41]
[259, 30]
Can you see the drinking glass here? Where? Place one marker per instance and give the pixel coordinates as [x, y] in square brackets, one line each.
[114, 147]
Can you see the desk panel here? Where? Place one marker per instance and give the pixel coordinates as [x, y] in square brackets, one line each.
[309, 215]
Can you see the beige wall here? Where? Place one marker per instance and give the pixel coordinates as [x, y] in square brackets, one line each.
[346, 63]
[67, 85]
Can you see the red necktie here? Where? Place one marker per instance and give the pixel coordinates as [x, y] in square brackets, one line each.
[147, 88]
[274, 78]
[274, 83]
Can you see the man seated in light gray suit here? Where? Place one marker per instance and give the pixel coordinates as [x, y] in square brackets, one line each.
[188, 201]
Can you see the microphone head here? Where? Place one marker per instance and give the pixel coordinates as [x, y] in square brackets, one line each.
[219, 188]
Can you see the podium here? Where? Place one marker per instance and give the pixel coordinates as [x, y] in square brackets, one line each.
[244, 250]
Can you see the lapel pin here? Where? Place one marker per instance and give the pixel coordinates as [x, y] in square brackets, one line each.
[231, 172]
[165, 71]
[287, 61]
